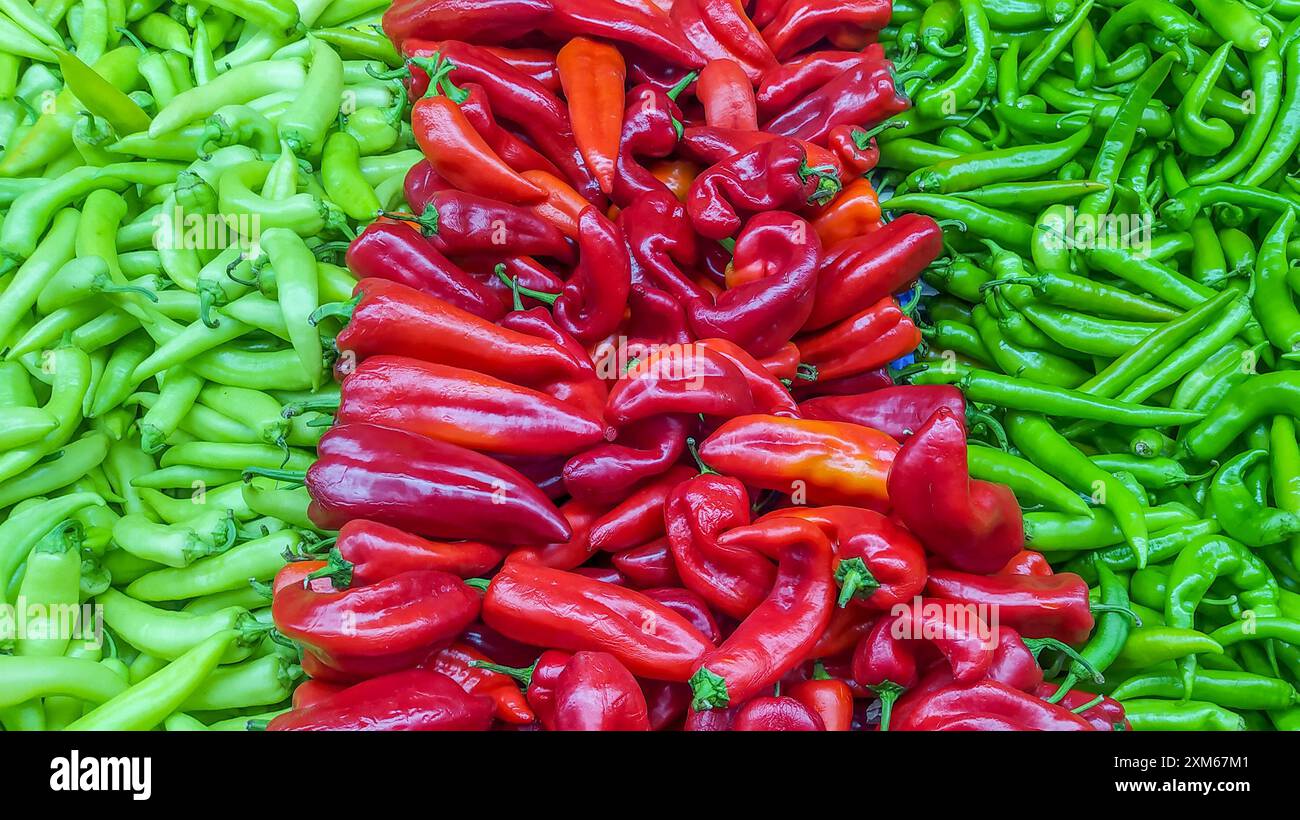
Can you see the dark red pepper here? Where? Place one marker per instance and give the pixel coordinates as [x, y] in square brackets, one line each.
[690, 606]
[776, 714]
[720, 30]
[784, 85]
[642, 450]
[461, 663]
[411, 700]
[680, 379]
[773, 175]
[596, 693]
[639, 517]
[801, 23]
[366, 552]
[1034, 605]
[651, 128]
[864, 95]
[572, 552]
[648, 566]
[661, 243]
[898, 411]
[458, 223]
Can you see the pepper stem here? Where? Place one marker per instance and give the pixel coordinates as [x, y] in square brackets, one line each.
[828, 182]
[427, 221]
[807, 372]
[1080, 709]
[1037, 645]
[855, 580]
[862, 137]
[682, 85]
[523, 674]
[337, 568]
[978, 418]
[481, 584]
[322, 404]
[1119, 610]
[1064, 689]
[513, 282]
[699, 462]
[342, 310]
[708, 691]
[289, 476]
[888, 692]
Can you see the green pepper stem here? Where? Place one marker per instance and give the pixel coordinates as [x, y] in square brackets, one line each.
[321, 404]
[888, 692]
[699, 462]
[682, 85]
[1064, 689]
[513, 282]
[337, 568]
[708, 690]
[342, 310]
[1119, 610]
[523, 674]
[288, 476]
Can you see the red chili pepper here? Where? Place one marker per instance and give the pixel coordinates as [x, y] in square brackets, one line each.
[538, 679]
[801, 23]
[1014, 664]
[776, 714]
[605, 575]
[784, 85]
[366, 552]
[648, 566]
[596, 693]
[607, 472]
[411, 700]
[516, 153]
[517, 98]
[846, 628]
[864, 95]
[317, 669]
[1036, 606]
[878, 564]
[710, 720]
[820, 462]
[570, 553]
[380, 628]
[419, 185]
[548, 607]
[651, 128]
[490, 21]
[435, 489]
[727, 96]
[661, 243]
[863, 342]
[860, 272]
[655, 318]
[563, 206]
[525, 270]
[680, 379]
[1004, 703]
[783, 365]
[855, 212]
[721, 31]
[314, 692]
[770, 176]
[397, 252]
[457, 663]
[640, 517]
[593, 301]
[538, 63]
[456, 223]
[770, 396]
[496, 646]
[828, 698]
[847, 386]
[972, 525]
[898, 411]
[855, 147]
[778, 634]
[666, 703]
[592, 75]
[1106, 716]
[690, 606]
[1027, 562]
[776, 256]
[733, 579]
[584, 389]
[609, 20]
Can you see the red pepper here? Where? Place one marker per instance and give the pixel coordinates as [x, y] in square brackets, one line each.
[846, 628]
[775, 264]
[318, 670]
[640, 517]
[828, 698]
[366, 552]
[710, 720]
[651, 128]
[656, 318]
[457, 152]
[648, 566]
[411, 700]
[878, 564]
[583, 388]
[784, 628]
[397, 252]
[661, 243]
[819, 462]
[770, 396]
[972, 525]
[864, 95]
[863, 342]
[548, 607]
[574, 551]
[592, 75]
[690, 606]
[419, 185]
[770, 176]
[489, 21]
[457, 223]
[1036, 606]
[525, 270]
[604, 575]
[427, 487]
[898, 411]
[801, 23]
[666, 703]
[886, 658]
[1106, 716]
[1005, 704]
[1027, 562]
[849, 385]
[643, 450]
[595, 297]
[314, 692]
[776, 714]
[596, 693]
[856, 211]
[515, 97]
[708, 145]
[784, 363]
[516, 153]
[463, 407]
[547, 472]
[496, 646]
[855, 147]
[653, 35]
[787, 83]
[538, 679]
[721, 31]
[380, 628]
[727, 96]
[457, 663]
[680, 379]
[860, 272]
[538, 63]
[677, 174]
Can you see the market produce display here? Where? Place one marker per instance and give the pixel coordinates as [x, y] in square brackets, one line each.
[788, 365]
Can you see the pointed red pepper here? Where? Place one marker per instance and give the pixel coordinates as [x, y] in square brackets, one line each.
[863, 342]
[784, 85]
[721, 30]
[593, 301]
[865, 95]
[1006, 705]
[680, 379]
[596, 693]
[572, 552]
[1036, 606]
[458, 223]
[727, 95]
[516, 153]
[770, 396]
[648, 566]
[457, 663]
[651, 128]
[1104, 716]
[656, 318]
[488, 21]
[662, 244]
[898, 411]
[801, 23]
[773, 175]
[975, 526]
[366, 552]
[643, 450]
[640, 516]
[583, 388]
[653, 35]
[538, 679]
[411, 700]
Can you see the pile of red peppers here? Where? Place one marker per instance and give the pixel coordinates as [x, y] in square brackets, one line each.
[618, 446]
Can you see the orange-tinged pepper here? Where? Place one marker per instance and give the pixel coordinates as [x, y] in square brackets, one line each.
[592, 75]
[854, 212]
[677, 174]
[865, 341]
[562, 205]
[727, 96]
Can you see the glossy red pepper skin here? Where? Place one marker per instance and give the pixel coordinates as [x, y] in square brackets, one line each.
[621, 23]
[605, 575]
[721, 30]
[516, 97]
[592, 303]
[458, 223]
[864, 95]
[640, 517]
[493, 21]
[656, 318]
[857, 152]
[666, 703]
[710, 720]
[463, 407]
[516, 153]
[419, 185]
[843, 633]
[643, 450]
[888, 653]
[650, 122]
[1107, 716]
[777, 714]
[583, 388]
[772, 175]
[572, 552]
[863, 342]
[539, 680]
[662, 244]
[547, 472]
[1013, 663]
[784, 363]
[733, 579]
[897, 411]
[596, 693]
[548, 607]
[785, 84]
[314, 692]
[455, 662]
[648, 566]
[975, 526]
[830, 699]
[922, 710]
[858, 273]
[1027, 562]
[690, 606]
[800, 24]
[437, 489]
[496, 646]
[777, 254]
[823, 462]
[780, 632]
[527, 271]
[411, 700]
[368, 552]
[397, 320]
[680, 379]
[770, 396]
[396, 251]
[726, 94]
[380, 628]
[885, 563]
[846, 386]
[1036, 606]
